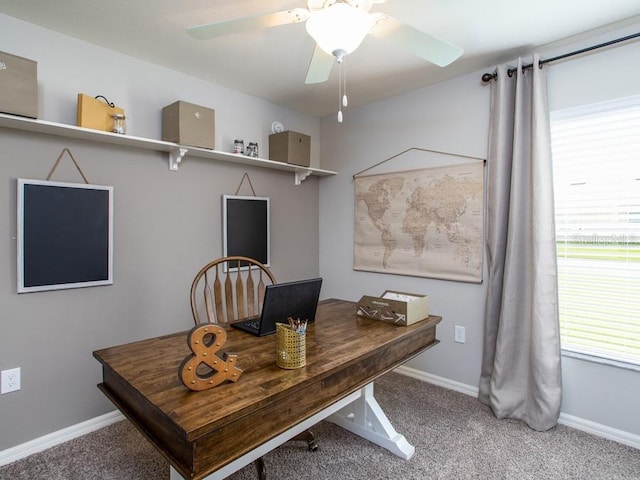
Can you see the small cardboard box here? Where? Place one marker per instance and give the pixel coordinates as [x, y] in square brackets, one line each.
[290, 147]
[398, 308]
[189, 124]
[18, 85]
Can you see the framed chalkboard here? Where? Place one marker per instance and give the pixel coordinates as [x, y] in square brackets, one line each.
[65, 235]
[246, 227]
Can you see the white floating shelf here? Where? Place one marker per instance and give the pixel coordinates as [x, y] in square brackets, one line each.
[175, 152]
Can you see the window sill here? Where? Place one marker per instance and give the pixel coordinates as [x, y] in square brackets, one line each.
[601, 360]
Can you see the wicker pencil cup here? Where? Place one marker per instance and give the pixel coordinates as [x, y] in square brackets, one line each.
[292, 347]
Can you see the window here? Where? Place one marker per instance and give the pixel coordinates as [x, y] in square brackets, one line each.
[596, 163]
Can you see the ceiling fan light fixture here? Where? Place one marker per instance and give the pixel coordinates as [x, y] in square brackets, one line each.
[339, 29]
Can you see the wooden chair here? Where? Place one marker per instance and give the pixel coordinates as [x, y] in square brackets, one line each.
[229, 289]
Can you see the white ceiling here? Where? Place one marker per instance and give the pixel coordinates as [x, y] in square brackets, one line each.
[272, 63]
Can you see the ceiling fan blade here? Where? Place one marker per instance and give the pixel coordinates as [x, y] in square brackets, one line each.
[417, 42]
[320, 66]
[255, 22]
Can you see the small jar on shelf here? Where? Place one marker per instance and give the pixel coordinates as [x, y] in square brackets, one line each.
[238, 146]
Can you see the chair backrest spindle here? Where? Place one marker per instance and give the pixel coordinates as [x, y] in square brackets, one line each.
[208, 297]
[251, 297]
[240, 293]
[217, 294]
[261, 289]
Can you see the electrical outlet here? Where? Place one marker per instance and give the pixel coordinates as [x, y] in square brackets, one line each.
[459, 334]
[10, 380]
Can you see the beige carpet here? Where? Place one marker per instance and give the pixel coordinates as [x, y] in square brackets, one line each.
[455, 437]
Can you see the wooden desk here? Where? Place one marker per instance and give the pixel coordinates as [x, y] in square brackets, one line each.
[222, 429]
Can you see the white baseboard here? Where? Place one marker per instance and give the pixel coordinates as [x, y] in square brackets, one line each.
[620, 436]
[18, 452]
[440, 381]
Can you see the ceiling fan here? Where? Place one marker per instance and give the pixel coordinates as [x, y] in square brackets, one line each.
[339, 27]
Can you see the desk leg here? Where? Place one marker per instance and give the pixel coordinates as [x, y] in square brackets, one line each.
[365, 418]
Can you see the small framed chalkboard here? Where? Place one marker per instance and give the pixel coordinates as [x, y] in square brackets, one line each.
[65, 235]
[246, 227]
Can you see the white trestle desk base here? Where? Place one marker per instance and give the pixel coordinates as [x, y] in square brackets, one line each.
[359, 413]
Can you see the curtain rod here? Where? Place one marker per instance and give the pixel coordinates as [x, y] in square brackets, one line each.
[487, 77]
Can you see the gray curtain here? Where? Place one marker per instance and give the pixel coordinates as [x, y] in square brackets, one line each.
[521, 375]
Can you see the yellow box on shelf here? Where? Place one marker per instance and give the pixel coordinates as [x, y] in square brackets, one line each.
[97, 114]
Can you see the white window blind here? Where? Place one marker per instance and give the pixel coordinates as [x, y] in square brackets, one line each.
[596, 166]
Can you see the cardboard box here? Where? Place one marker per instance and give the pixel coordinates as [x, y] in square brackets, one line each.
[290, 147]
[189, 124]
[18, 85]
[96, 113]
[395, 307]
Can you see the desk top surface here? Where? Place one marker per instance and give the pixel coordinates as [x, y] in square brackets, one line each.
[148, 369]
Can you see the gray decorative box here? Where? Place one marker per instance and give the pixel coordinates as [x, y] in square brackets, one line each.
[18, 85]
[189, 124]
[290, 147]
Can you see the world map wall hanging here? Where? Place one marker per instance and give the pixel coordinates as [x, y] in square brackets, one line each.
[425, 222]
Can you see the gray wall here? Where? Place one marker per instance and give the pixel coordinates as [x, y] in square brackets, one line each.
[167, 224]
[454, 117]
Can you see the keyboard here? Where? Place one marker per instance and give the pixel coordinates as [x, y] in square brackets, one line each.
[253, 324]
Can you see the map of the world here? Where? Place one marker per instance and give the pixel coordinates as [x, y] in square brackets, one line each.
[426, 223]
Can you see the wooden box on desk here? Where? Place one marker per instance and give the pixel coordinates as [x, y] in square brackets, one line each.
[18, 85]
[399, 308]
[290, 147]
[189, 124]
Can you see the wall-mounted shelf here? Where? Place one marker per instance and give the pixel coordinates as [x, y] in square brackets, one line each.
[175, 152]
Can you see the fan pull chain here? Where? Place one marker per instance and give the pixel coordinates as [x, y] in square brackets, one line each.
[340, 74]
[344, 85]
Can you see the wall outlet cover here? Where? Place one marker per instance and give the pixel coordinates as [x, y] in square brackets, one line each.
[10, 380]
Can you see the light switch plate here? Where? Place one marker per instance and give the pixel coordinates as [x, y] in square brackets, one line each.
[459, 334]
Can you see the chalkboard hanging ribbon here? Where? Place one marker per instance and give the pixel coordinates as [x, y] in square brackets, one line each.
[74, 162]
[246, 175]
